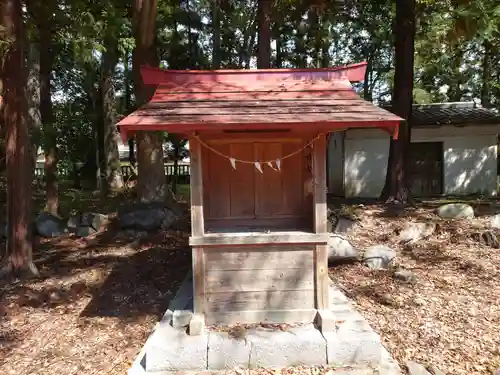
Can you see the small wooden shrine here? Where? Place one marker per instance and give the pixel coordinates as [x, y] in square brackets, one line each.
[257, 142]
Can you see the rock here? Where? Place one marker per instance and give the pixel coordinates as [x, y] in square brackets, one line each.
[415, 368]
[456, 211]
[495, 222]
[151, 216]
[379, 257]
[48, 225]
[85, 231]
[488, 238]
[405, 276]
[413, 232]
[339, 249]
[181, 318]
[73, 222]
[344, 225]
[94, 220]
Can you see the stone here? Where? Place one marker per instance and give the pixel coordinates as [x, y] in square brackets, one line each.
[197, 325]
[405, 276]
[456, 211]
[181, 318]
[297, 346]
[171, 349]
[413, 232]
[415, 368]
[495, 222]
[344, 225]
[148, 217]
[339, 249]
[73, 222]
[325, 320]
[94, 220]
[379, 257]
[85, 231]
[48, 225]
[354, 342]
[225, 352]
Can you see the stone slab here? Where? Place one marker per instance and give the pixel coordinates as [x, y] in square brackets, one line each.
[172, 349]
[298, 346]
[225, 352]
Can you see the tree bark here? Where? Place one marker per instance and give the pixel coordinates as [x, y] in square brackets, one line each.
[264, 39]
[113, 179]
[151, 182]
[18, 254]
[45, 28]
[33, 99]
[396, 184]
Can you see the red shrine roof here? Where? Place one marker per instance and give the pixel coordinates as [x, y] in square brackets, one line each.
[302, 99]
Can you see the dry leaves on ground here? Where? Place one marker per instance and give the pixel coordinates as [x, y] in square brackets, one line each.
[450, 318]
[94, 306]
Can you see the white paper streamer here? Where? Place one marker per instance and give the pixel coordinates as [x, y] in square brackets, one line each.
[270, 163]
[233, 162]
[278, 164]
[258, 166]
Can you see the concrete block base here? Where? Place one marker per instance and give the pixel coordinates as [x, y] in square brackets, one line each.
[345, 339]
[299, 346]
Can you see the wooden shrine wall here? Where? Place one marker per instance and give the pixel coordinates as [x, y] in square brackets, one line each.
[282, 291]
[244, 196]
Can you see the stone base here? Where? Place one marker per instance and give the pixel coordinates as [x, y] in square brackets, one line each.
[351, 343]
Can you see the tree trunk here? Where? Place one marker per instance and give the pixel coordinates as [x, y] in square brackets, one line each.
[264, 39]
[216, 34]
[486, 75]
[45, 28]
[113, 179]
[33, 99]
[151, 182]
[17, 258]
[396, 189]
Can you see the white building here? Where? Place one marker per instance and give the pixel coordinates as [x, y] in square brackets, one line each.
[453, 151]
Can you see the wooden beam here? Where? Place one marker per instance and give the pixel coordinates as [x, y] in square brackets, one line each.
[320, 221]
[319, 190]
[197, 220]
[197, 225]
[250, 238]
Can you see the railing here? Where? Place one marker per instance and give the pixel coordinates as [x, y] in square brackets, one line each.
[183, 172]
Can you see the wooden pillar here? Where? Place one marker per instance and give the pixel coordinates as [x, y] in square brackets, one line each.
[320, 221]
[197, 323]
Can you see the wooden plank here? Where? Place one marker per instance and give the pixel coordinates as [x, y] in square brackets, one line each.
[321, 290]
[260, 257]
[241, 180]
[304, 316]
[319, 188]
[269, 185]
[276, 108]
[243, 95]
[218, 185]
[255, 238]
[227, 138]
[293, 180]
[263, 300]
[227, 281]
[198, 280]
[284, 103]
[196, 190]
[261, 224]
